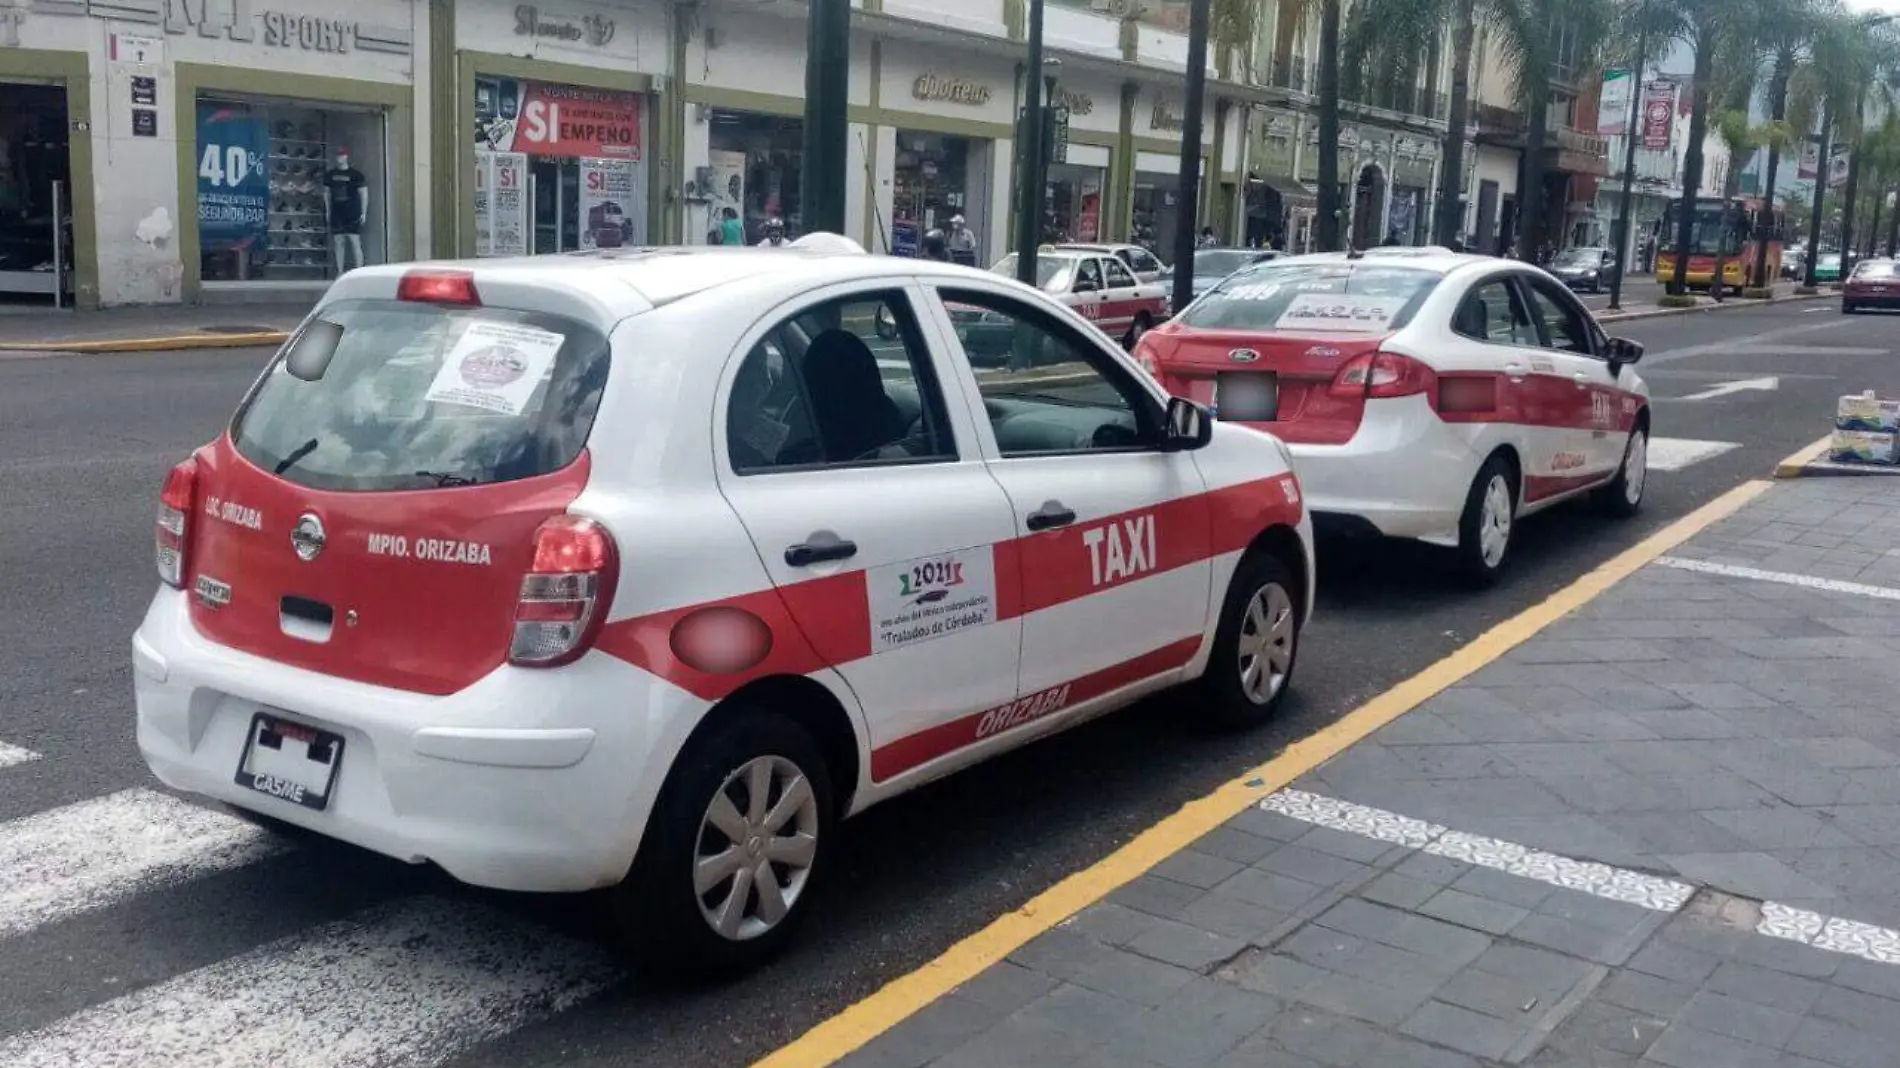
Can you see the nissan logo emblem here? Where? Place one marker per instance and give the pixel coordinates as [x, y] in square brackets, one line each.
[1243, 356]
[307, 537]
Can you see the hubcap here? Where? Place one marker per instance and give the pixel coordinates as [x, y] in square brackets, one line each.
[1494, 525]
[1267, 637]
[757, 843]
[1636, 468]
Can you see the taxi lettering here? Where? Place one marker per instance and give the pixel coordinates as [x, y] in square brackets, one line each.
[1121, 549]
[1022, 710]
[1602, 410]
[435, 550]
[234, 513]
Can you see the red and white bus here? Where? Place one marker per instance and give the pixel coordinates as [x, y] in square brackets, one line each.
[1732, 229]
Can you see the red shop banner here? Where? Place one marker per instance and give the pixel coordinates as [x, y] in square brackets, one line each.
[567, 120]
[1659, 115]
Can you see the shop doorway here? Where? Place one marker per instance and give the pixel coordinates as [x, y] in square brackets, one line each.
[1368, 207]
[36, 210]
[940, 183]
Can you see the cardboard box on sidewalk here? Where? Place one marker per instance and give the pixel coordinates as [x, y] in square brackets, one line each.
[1867, 412]
[1866, 447]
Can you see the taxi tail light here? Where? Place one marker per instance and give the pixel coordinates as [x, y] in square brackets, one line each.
[565, 593]
[174, 520]
[1380, 375]
[433, 286]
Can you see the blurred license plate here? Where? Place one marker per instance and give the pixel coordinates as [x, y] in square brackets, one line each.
[291, 761]
[1247, 397]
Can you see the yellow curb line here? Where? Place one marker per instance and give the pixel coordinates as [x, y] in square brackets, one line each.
[157, 344]
[1796, 463]
[860, 1023]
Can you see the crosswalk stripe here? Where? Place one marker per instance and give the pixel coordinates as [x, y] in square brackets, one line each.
[13, 754]
[1674, 454]
[405, 985]
[84, 856]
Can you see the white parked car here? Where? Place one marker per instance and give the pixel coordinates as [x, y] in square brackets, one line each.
[641, 568]
[1433, 396]
[1100, 289]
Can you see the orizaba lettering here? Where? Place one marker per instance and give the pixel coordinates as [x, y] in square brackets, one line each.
[1121, 549]
[1022, 710]
[438, 550]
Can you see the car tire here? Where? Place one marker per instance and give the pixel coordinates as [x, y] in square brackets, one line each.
[1488, 522]
[1140, 326]
[669, 922]
[1848, 309]
[1623, 497]
[1256, 645]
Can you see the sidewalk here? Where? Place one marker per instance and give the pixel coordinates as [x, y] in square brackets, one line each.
[1664, 831]
[150, 328]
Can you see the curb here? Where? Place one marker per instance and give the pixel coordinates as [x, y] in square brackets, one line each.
[174, 343]
[1808, 463]
[1738, 302]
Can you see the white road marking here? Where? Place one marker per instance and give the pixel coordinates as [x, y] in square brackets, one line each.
[85, 856]
[1812, 582]
[1831, 933]
[1587, 876]
[1763, 385]
[405, 985]
[1674, 454]
[13, 754]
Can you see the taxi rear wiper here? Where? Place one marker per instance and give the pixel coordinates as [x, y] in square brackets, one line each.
[445, 478]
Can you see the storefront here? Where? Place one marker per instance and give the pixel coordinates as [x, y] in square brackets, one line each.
[756, 162]
[558, 107]
[1156, 184]
[1277, 206]
[559, 167]
[1078, 195]
[1083, 203]
[943, 148]
[36, 210]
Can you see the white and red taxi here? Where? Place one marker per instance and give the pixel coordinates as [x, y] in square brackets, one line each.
[641, 568]
[1099, 287]
[1433, 396]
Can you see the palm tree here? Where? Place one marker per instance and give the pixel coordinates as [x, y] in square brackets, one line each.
[1388, 33]
[1846, 62]
[1739, 56]
[1328, 125]
[1787, 29]
[1701, 25]
[1449, 218]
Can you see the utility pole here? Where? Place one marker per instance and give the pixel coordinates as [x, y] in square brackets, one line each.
[1629, 161]
[1185, 234]
[1328, 220]
[1822, 172]
[822, 178]
[1029, 172]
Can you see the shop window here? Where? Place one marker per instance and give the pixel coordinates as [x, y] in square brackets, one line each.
[755, 165]
[288, 192]
[558, 168]
[939, 184]
[35, 191]
[1075, 203]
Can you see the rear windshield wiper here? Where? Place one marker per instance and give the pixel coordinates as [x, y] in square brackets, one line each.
[296, 454]
[445, 478]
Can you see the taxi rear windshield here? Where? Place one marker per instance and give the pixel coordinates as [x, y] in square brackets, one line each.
[380, 395]
[1335, 297]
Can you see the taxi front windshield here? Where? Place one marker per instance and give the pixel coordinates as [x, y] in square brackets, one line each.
[1052, 272]
[1356, 297]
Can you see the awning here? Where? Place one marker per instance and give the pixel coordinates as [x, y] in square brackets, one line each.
[1292, 193]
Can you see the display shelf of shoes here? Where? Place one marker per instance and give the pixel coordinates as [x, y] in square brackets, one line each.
[299, 219]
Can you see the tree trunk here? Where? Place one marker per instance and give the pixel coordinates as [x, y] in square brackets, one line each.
[1893, 228]
[1451, 216]
[1853, 186]
[1692, 158]
[1530, 195]
[1731, 189]
[1328, 221]
[1778, 107]
[1868, 247]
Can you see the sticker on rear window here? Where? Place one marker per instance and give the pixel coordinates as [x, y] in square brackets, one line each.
[495, 367]
[931, 597]
[1343, 312]
[1252, 291]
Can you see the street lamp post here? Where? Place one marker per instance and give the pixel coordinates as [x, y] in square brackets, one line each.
[1188, 200]
[1629, 161]
[1029, 174]
[827, 129]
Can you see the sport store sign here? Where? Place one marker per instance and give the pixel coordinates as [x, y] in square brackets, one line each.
[244, 21]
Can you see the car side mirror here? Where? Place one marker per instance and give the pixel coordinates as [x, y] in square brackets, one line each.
[1188, 426]
[1623, 351]
[1084, 285]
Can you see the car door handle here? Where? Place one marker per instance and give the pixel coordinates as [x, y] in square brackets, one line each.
[1516, 371]
[1050, 516]
[806, 553]
[1583, 380]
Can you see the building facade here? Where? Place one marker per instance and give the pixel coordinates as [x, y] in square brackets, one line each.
[161, 151]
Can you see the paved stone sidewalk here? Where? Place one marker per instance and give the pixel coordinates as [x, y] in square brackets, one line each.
[1622, 844]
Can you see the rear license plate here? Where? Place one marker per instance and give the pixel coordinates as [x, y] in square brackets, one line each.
[1247, 397]
[290, 761]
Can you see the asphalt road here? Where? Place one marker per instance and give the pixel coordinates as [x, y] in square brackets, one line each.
[85, 442]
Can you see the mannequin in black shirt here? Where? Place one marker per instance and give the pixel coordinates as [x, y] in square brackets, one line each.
[349, 208]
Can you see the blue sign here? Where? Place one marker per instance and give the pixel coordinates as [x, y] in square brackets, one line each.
[233, 177]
